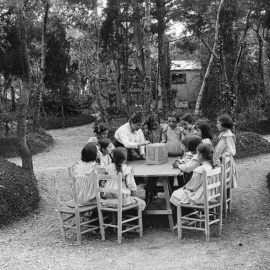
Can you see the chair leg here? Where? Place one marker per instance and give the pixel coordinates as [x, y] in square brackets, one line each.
[140, 221]
[220, 220]
[230, 201]
[225, 203]
[119, 227]
[61, 220]
[179, 221]
[78, 227]
[207, 227]
[101, 224]
[114, 221]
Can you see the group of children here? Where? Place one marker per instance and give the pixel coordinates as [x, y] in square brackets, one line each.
[192, 141]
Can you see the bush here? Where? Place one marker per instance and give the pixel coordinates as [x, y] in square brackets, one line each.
[53, 122]
[36, 141]
[268, 180]
[18, 192]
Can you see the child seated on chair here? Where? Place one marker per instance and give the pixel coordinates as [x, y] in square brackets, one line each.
[129, 188]
[190, 161]
[192, 192]
[85, 173]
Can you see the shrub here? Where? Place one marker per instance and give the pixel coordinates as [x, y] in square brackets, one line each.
[53, 122]
[36, 141]
[18, 192]
[268, 180]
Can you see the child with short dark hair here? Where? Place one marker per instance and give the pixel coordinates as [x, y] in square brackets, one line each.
[174, 136]
[85, 173]
[187, 122]
[156, 129]
[204, 132]
[226, 143]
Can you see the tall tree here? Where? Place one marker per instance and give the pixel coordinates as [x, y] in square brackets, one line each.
[41, 86]
[24, 151]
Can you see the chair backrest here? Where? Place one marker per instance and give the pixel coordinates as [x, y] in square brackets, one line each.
[213, 185]
[113, 185]
[66, 192]
[71, 169]
[227, 165]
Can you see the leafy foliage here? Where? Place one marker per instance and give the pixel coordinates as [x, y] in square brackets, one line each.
[18, 192]
[52, 122]
[36, 141]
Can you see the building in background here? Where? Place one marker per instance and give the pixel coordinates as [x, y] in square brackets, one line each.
[185, 81]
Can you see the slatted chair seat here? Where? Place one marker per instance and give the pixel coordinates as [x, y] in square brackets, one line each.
[123, 220]
[206, 214]
[227, 196]
[71, 215]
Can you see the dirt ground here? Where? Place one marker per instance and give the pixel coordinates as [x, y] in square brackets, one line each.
[35, 242]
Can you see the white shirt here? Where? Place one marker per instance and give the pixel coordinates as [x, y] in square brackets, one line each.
[130, 138]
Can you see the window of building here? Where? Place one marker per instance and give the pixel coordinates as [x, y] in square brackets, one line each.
[179, 78]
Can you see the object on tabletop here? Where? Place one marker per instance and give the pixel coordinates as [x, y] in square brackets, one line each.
[156, 153]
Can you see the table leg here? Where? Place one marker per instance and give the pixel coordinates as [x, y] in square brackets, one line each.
[167, 198]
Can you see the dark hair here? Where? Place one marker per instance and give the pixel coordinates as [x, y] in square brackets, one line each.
[104, 143]
[188, 118]
[136, 117]
[226, 121]
[100, 128]
[89, 152]
[174, 115]
[205, 129]
[153, 118]
[119, 156]
[207, 152]
[193, 143]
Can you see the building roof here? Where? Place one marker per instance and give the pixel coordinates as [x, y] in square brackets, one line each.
[185, 65]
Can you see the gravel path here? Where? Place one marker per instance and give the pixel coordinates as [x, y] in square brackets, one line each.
[35, 242]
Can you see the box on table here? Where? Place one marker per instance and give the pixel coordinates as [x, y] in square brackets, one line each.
[156, 153]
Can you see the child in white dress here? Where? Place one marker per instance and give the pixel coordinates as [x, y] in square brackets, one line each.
[129, 187]
[104, 154]
[226, 143]
[204, 132]
[174, 136]
[85, 173]
[192, 192]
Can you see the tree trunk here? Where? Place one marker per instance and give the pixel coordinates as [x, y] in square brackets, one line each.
[138, 38]
[167, 71]
[117, 74]
[103, 113]
[266, 68]
[199, 98]
[147, 53]
[41, 87]
[24, 151]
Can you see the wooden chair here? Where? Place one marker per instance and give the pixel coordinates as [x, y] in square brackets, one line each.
[71, 214]
[227, 196]
[71, 169]
[212, 207]
[122, 220]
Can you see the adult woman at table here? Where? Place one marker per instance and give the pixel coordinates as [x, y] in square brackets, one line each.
[131, 137]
